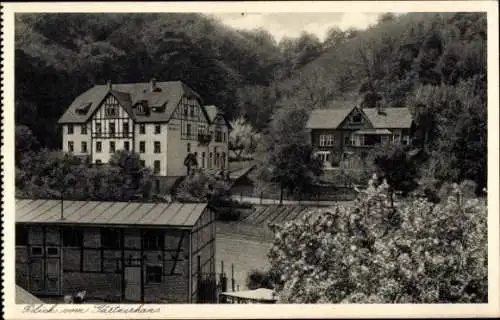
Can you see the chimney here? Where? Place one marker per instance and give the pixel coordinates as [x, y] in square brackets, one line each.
[109, 85]
[380, 109]
[152, 85]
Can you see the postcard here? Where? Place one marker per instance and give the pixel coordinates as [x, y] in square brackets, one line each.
[250, 159]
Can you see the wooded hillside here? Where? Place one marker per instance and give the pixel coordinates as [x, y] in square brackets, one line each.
[436, 62]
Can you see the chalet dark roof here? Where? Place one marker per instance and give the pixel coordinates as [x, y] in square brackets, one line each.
[373, 131]
[388, 118]
[167, 95]
[327, 118]
[173, 214]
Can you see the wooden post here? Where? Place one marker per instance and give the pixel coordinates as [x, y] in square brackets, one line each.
[62, 205]
[281, 194]
[232, 277]
[198, 282]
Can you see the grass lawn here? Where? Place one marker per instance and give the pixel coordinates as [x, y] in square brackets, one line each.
[244, 246]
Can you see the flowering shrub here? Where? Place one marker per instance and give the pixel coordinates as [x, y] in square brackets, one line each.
[375, 252]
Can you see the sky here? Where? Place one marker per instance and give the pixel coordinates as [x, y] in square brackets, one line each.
[293, 24]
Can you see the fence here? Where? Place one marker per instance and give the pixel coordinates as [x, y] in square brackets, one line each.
[325, 196]
[211, 285]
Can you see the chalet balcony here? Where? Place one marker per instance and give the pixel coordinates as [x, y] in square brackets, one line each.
[204, 138]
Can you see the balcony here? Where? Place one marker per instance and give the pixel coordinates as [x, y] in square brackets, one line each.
[204, 138]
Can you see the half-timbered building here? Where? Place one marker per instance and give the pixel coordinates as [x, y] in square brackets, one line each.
[163, 122]
[116, 252]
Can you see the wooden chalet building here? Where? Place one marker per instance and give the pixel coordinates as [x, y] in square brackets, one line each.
[116, 251]
[339, 132]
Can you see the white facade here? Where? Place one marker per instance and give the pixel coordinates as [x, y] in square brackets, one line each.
[163, 146]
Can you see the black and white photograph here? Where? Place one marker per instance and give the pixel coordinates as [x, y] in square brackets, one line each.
[246, 157]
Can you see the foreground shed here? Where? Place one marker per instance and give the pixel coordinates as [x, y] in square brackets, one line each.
[116, 251]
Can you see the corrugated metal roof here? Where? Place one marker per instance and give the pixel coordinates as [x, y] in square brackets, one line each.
[115, 213]
[24, 297]
[261, 294]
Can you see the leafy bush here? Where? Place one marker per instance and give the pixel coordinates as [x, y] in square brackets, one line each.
[227, 214]
[376, 252]
[200, 187]
[46, 174]
[260, 279]
[397, 167]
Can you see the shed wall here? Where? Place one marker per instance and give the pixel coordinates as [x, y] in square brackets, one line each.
[203, 250]
[89, 265]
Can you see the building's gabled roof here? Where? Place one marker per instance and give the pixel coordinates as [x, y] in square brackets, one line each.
[167, 95]
[387, 118]
[327, 118]
[174, 214]
[212, 112]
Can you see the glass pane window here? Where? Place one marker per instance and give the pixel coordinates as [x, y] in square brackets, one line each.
[157, 147]
[72, 237]
[157, 167]
[153, 240]
[112, 128]
[154, 274]
[110, 238]
[326, 140]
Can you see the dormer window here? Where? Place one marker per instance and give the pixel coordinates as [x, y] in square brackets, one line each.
[140, 108]
[83, 108]
[356, 118]
[158, 108]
